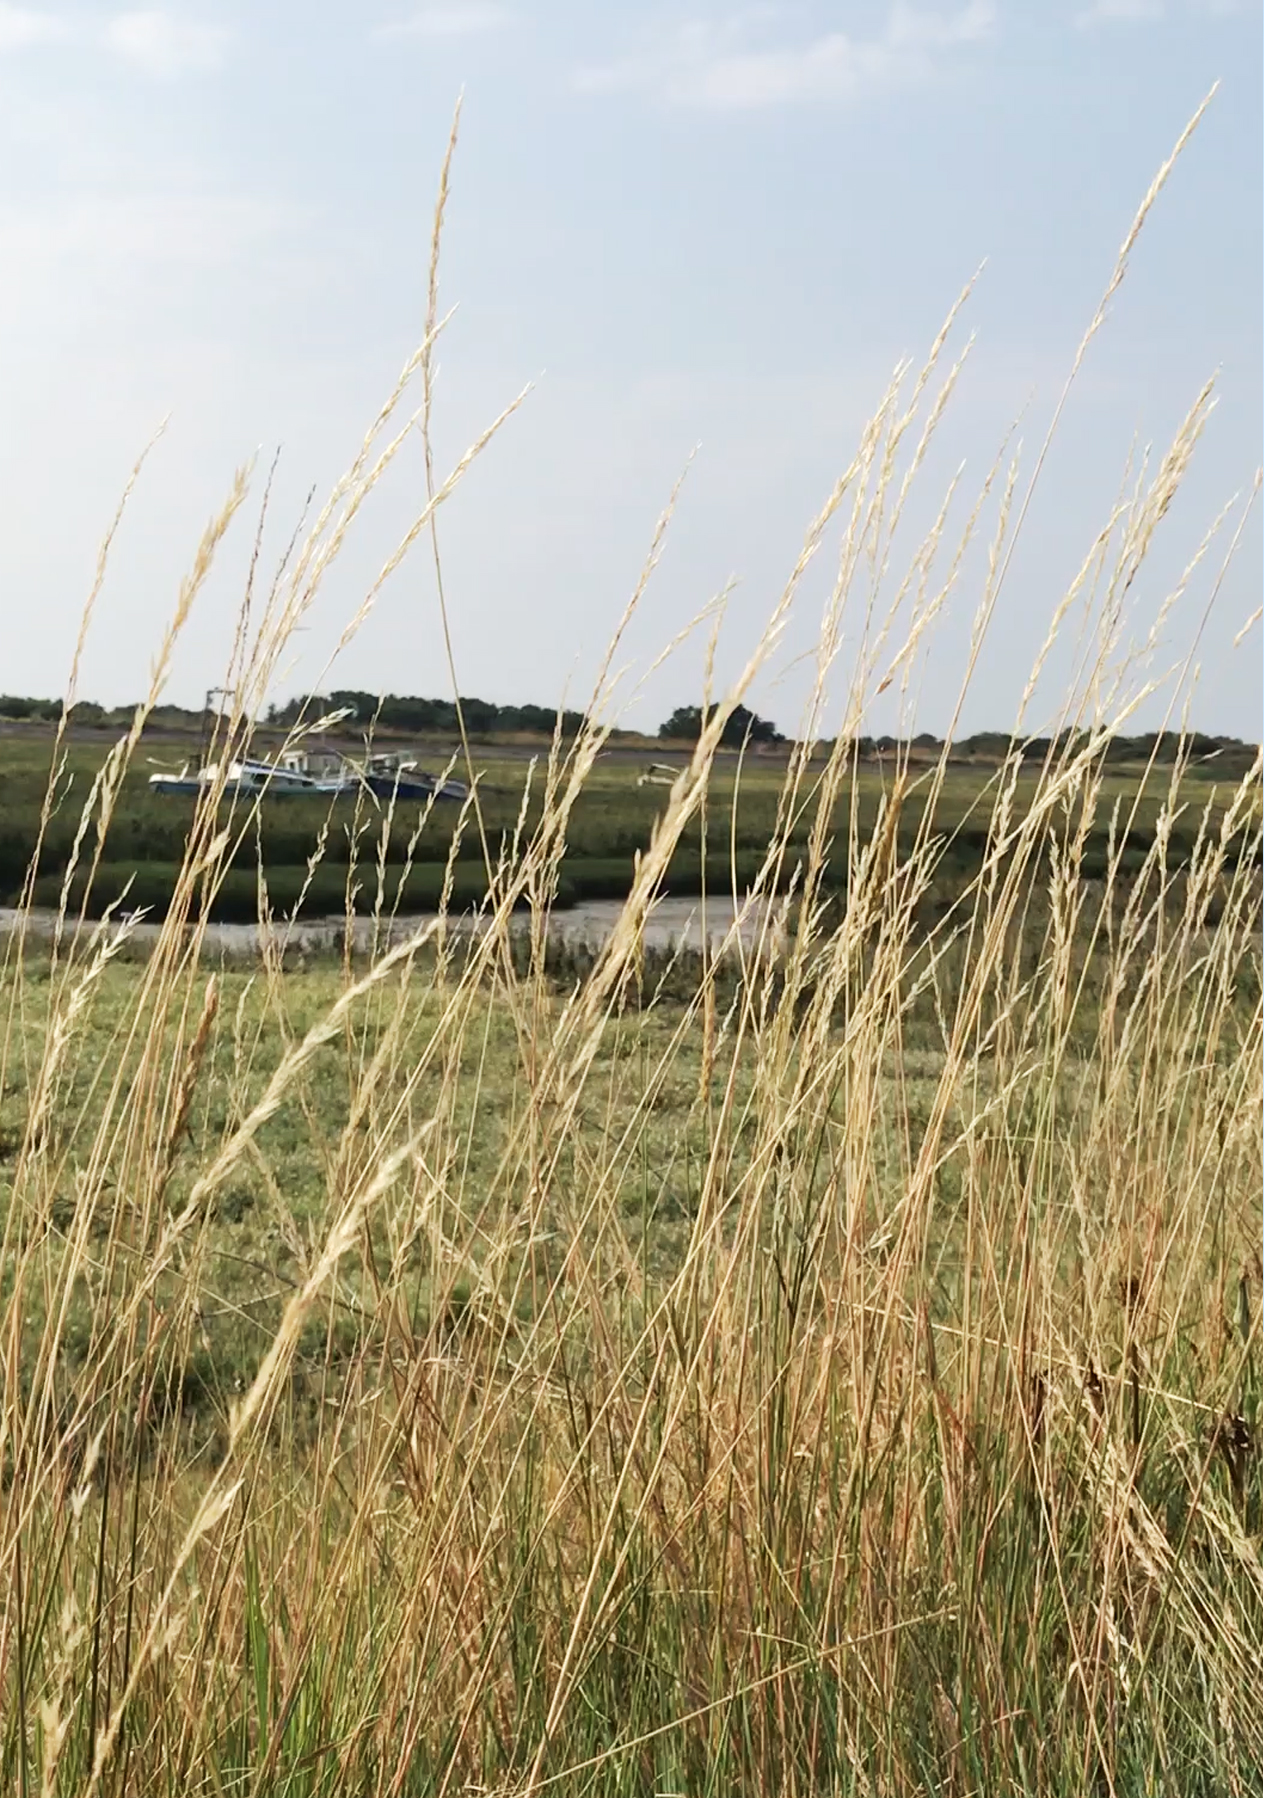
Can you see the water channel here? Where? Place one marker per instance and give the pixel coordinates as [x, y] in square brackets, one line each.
[674, 922]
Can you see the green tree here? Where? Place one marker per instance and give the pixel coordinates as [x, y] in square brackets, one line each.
[686, 725]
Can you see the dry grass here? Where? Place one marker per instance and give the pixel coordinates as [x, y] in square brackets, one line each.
[919, 1453]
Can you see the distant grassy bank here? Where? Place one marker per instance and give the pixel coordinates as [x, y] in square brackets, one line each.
[315, 858]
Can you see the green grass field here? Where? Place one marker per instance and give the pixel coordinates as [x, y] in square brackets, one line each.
[460, 1370]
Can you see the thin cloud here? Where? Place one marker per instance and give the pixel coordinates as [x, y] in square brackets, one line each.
[1118, 12]
[469, 20]
[130, 229]
[1148, 12]
[718, 66]
[21, 27]
[162, 46]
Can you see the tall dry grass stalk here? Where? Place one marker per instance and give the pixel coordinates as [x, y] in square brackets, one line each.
[843, 1378]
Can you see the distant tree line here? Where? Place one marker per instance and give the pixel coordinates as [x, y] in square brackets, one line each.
[403, 713]
[390, 712]
[46, 711]
[396, 712]
[1230, 753]
[87, 711]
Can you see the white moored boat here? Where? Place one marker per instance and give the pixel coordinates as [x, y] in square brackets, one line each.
[322, 775]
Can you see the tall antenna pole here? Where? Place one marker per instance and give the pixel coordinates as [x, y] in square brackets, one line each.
[207, 735]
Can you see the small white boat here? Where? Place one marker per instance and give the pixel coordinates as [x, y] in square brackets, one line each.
[247, 777]
[182, 784]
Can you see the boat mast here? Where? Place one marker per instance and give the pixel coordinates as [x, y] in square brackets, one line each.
[207, 737]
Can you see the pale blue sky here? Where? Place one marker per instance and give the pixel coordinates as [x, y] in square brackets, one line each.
[714, 225]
